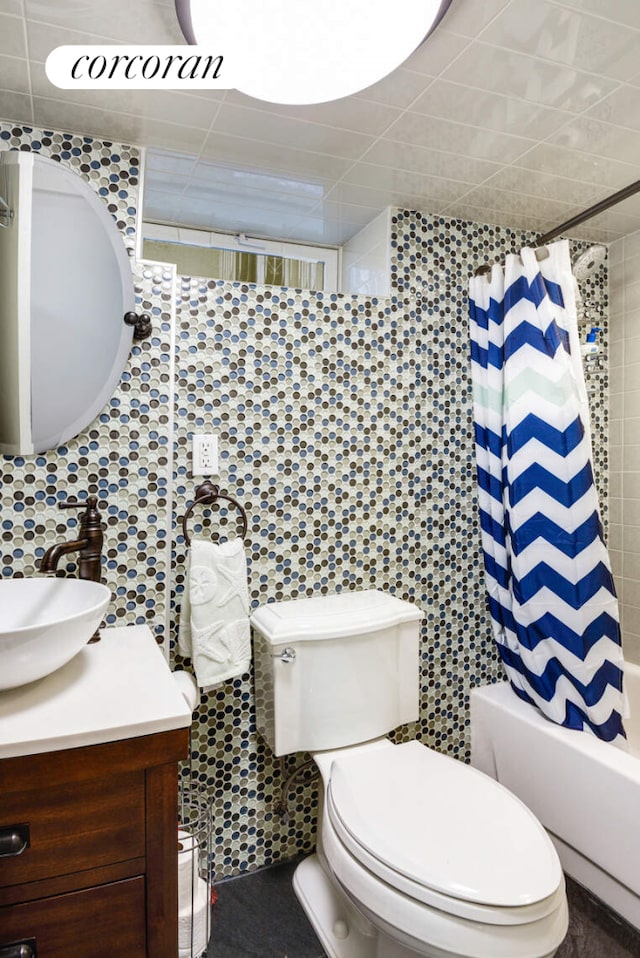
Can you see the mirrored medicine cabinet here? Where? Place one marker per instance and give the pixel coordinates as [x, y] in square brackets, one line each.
[65, 285]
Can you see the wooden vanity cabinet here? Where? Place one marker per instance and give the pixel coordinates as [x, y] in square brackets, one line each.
[89, 838]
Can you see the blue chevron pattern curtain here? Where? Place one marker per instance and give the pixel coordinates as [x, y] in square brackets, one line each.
[551, 593]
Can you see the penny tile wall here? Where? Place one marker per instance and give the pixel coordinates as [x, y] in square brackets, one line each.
[123, 457]
[344, 425]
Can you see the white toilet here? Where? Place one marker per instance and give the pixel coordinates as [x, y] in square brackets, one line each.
[418, 854]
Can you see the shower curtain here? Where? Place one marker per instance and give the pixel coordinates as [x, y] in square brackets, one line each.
[551, 594]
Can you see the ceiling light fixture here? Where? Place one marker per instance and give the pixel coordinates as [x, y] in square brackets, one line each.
[283, 51]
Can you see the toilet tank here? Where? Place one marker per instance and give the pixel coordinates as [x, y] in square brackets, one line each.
[335, 670]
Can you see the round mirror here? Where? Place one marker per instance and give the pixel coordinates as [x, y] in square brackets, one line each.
[66, 284]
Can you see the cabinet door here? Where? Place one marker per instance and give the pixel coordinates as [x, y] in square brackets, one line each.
[74, 827]
[103, 922]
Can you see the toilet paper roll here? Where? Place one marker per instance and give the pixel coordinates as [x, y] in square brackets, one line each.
[187, 869]
[193, 924]
[187, 688]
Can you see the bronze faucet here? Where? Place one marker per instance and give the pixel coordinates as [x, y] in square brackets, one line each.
[88, 545]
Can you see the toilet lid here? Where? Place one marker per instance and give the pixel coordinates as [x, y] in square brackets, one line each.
[442, 825]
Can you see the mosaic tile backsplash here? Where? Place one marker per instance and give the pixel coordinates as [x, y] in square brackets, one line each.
[344, 425]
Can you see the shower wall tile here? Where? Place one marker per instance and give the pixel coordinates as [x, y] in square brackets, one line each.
[631, 322]
[630, 540]
[614, 536]
[630, 594]
[617, 352]
[631, 431]
[615, 510]
[616, 568]
[631, 512]
[630, 396]
[632, 351]
[631, 246]
[615, 484]
[631, 563]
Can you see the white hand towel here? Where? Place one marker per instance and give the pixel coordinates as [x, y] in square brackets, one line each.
[214, 618]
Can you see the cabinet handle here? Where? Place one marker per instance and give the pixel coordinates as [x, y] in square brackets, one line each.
[14, 840]
[19, 949]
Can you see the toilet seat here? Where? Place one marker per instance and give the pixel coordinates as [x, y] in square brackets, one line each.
[422, 823]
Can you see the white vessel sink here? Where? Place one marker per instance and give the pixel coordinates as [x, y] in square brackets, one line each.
[44, 623]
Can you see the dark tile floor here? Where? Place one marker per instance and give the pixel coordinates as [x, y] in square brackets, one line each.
[258, 916]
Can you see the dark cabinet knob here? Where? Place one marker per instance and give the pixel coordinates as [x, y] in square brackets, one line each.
[19, 949]
[14, 839]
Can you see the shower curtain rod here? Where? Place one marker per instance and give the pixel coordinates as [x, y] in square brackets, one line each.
[600, 207]
[587, 214]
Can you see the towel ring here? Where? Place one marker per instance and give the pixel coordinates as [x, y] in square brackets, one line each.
[206, 495]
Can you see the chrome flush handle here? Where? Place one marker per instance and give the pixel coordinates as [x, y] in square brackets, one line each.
[287, 656]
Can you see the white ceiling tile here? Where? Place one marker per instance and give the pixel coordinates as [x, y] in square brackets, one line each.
[469, 19]
[537, 81]
[593, 234]
[618, 11]
[345, 213]
[461, 126]
[159, 133]
[116, 20]
[350, 113]
[504, 114]
[404, 181]
[12, 40]
[616, 222]
[16, 107]
[45, 37]
[14, 74]
[399, 89]
[254, 155]
[622, 108]
[141, 131]
[338, 209]
[373, 199]
[73, 118]
[163, 105]
[572, 164]
[630, 205]
[589, 135]
[422, 160]
[436, 53]
[459, 138]
[520, 204]
[568, 37]
[544, 185]
[286, 132]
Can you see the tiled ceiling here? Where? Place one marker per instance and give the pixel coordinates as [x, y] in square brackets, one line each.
[518, 112]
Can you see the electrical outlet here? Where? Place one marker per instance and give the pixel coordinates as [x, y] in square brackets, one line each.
[204, 455]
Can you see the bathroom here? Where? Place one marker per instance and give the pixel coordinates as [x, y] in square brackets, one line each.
[354, 459]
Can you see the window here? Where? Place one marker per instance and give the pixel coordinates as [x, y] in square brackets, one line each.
[241, 259]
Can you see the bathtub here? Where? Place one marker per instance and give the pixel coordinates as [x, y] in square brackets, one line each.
[586, 793]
